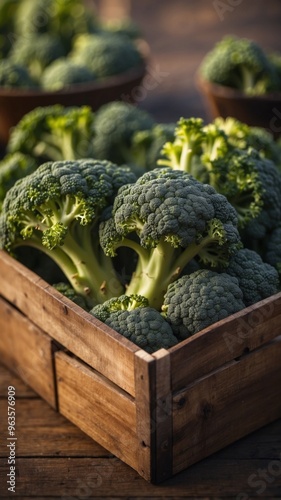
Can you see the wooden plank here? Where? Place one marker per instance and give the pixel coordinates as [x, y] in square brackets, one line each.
[27, 351]
[226, 405]
[145, 372]
[163, 417]
[226, 340]
[8, 378]
[98, 407]
[79, 332]
[41, 431]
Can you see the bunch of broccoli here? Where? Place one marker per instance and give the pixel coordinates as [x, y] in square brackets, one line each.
[159, 230]
[53, 45]
[242, 64]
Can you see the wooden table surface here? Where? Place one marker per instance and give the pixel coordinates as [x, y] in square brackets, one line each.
[54, 459]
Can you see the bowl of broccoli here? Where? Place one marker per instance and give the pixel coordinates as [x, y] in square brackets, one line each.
[239, 78]
[62, 53]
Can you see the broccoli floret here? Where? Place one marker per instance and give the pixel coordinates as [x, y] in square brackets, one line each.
[167, 217]
[251, 183]
[36, 53]
[115, 125]
[240, 63]
[13, 167]
[134, 319]
[243, 136]
[69, 292]
[64, 19]
[54, 133]
[257, 279]
[57, 209]
[106, 54]
[147, 145]
[8, 10]
[200, 299]
[272, 249]
[63, 73]
[15, 75]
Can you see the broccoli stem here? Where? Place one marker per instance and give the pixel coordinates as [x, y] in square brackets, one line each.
[56, 148]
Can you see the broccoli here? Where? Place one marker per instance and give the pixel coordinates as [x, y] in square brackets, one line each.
[257, 279]
[242, 136]
[54, 133]
[115, 125]
[69, 292]
[65, 19]
[106, 54]
[239, 63]
[8, 10]
[168, 217]
[63, 73]
[250, 182]
[147, 145]
[272, 249]
[15, 75]
[57, 210]
[132, 317]
[13, 167]
[198, 300]
[36, 53]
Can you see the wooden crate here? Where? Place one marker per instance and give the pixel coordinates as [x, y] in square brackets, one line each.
[159, 413]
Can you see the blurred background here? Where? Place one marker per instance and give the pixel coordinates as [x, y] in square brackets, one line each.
[179, 33]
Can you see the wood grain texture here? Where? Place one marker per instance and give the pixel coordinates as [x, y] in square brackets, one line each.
[98, 407]
[227, 405]
[81, 333]
[27, 351]
[226, 340]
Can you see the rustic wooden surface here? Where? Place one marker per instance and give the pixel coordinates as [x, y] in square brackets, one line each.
[54, 459]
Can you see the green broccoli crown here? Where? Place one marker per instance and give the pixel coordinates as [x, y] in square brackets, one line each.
[13, 167]
[272, 250]
[115, 304]
[56, 210]
[198, 300]
[167, 217]
[240, 63]
[63, 73]
[14, 75]
[36, 52]
[54, 133]
[106, 54]
[115, 124]
[144, 326]
[257, 279]
[69, 292]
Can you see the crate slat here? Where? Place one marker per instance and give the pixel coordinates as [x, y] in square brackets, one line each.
[79, 332]
[27, 351]
[226, 405]
[226, 340]
[98, 407]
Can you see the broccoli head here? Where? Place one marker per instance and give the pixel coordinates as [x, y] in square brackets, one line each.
[54, 133]
[106, 54]
[250, 182]
[272, 249]
[196, 301]
[63, 73]
[115, 125]
[57, 209]
[132, 317]
[240, 63]
[257, 279]
[15, 75]
[13, 167]
[36, 53]
[168, 218]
